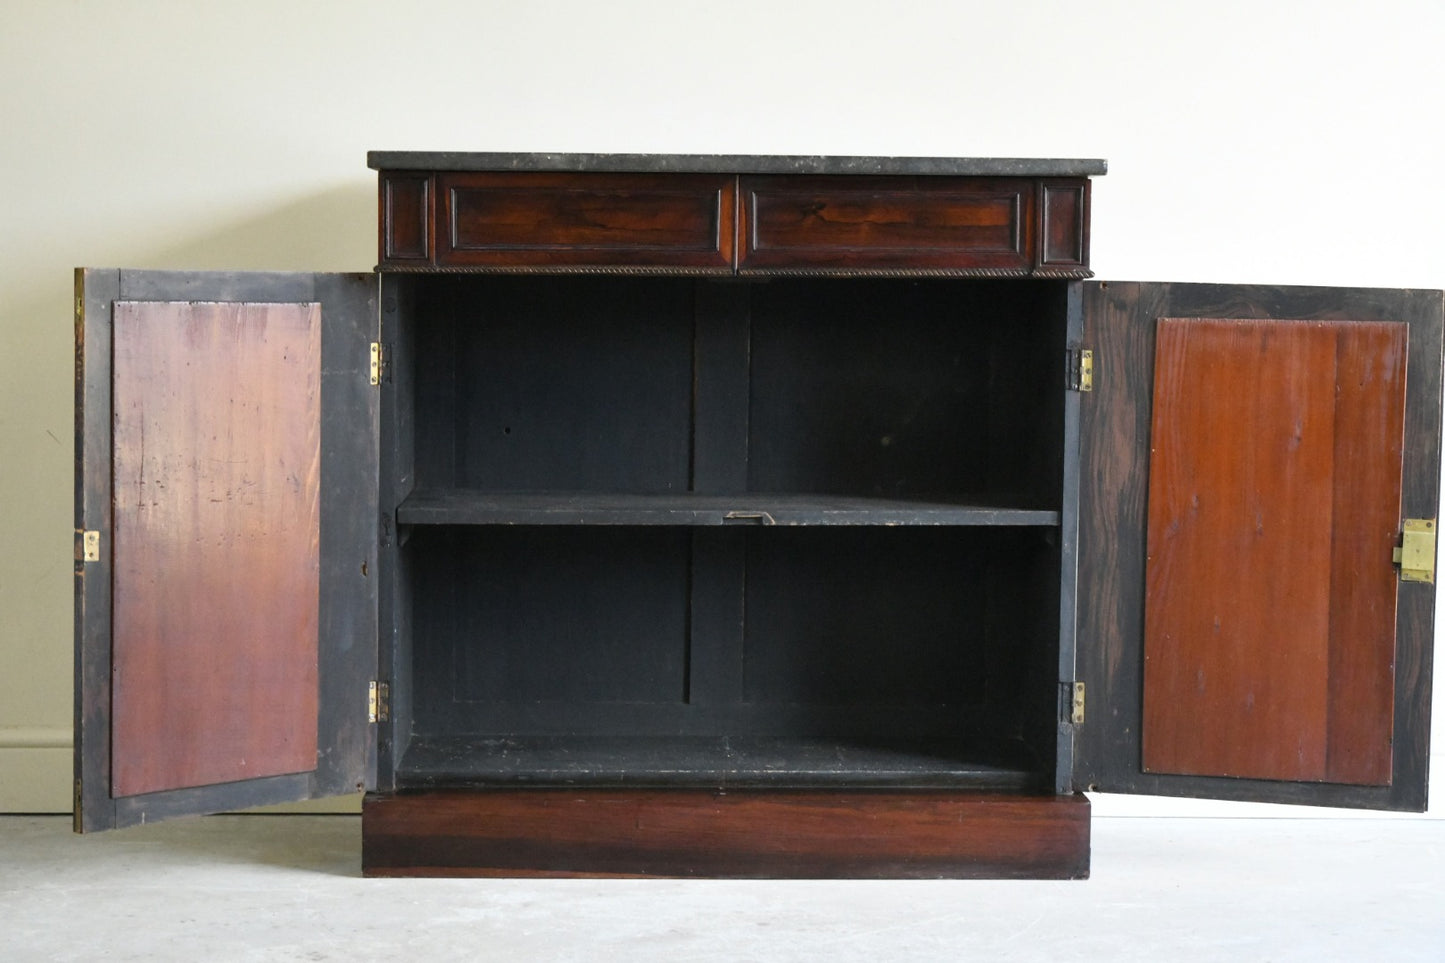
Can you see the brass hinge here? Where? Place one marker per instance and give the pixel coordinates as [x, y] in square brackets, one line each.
[378, 702]
[90, 546]
[1416, 552]
[1073, 699]
[376, 360]
[1081, 368]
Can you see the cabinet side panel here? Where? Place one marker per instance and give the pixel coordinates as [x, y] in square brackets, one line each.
[349, 532]
[217, 502]
[397, 478]
[1113, 490]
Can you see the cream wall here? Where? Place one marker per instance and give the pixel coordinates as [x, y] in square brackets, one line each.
[197, 134]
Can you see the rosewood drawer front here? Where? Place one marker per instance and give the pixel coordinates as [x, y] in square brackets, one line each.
[872, 223]
[977, 226]
[550, 221]
[719, 223]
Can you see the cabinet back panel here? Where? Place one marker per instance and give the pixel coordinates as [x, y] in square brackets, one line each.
[550, 617]
[952, 626]
[865, 617]
[615, 631]
[898, 388]
[555, 384]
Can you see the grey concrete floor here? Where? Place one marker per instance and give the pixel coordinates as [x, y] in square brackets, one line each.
[288, 888]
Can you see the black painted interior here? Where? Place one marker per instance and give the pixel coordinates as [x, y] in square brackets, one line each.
[902, 647]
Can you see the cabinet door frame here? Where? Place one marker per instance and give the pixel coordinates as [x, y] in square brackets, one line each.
[348, 523]
[1120, 326]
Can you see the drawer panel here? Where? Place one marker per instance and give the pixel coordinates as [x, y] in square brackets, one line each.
[585, 221]
[982, 225]
[406, 217]
[1064, 238]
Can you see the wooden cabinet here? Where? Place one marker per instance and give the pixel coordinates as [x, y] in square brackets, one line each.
[746, 516]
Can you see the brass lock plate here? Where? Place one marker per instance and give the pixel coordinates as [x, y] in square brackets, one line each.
[1416, 553]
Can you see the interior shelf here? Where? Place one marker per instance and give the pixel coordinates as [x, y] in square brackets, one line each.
[457, 506]
[715, 762]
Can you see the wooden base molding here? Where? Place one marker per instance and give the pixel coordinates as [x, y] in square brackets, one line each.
[786, 834]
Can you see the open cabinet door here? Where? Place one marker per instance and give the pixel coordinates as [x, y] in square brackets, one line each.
[1250, 458]
[226, 514]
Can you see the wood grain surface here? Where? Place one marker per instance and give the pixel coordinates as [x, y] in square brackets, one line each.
[216, 516]
[561, 220]
[901, 223]
[1274, 498]
[532, 832]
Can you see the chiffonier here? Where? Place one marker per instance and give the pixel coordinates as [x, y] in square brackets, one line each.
[746, 516]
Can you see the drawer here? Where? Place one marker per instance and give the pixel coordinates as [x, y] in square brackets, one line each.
[952, 225]
[584, 221]
[708, 223]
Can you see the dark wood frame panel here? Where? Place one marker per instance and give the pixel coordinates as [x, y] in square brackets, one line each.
[346, 759]
[1120, 326]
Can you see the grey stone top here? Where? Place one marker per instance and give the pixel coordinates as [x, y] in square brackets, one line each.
[732, 164]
